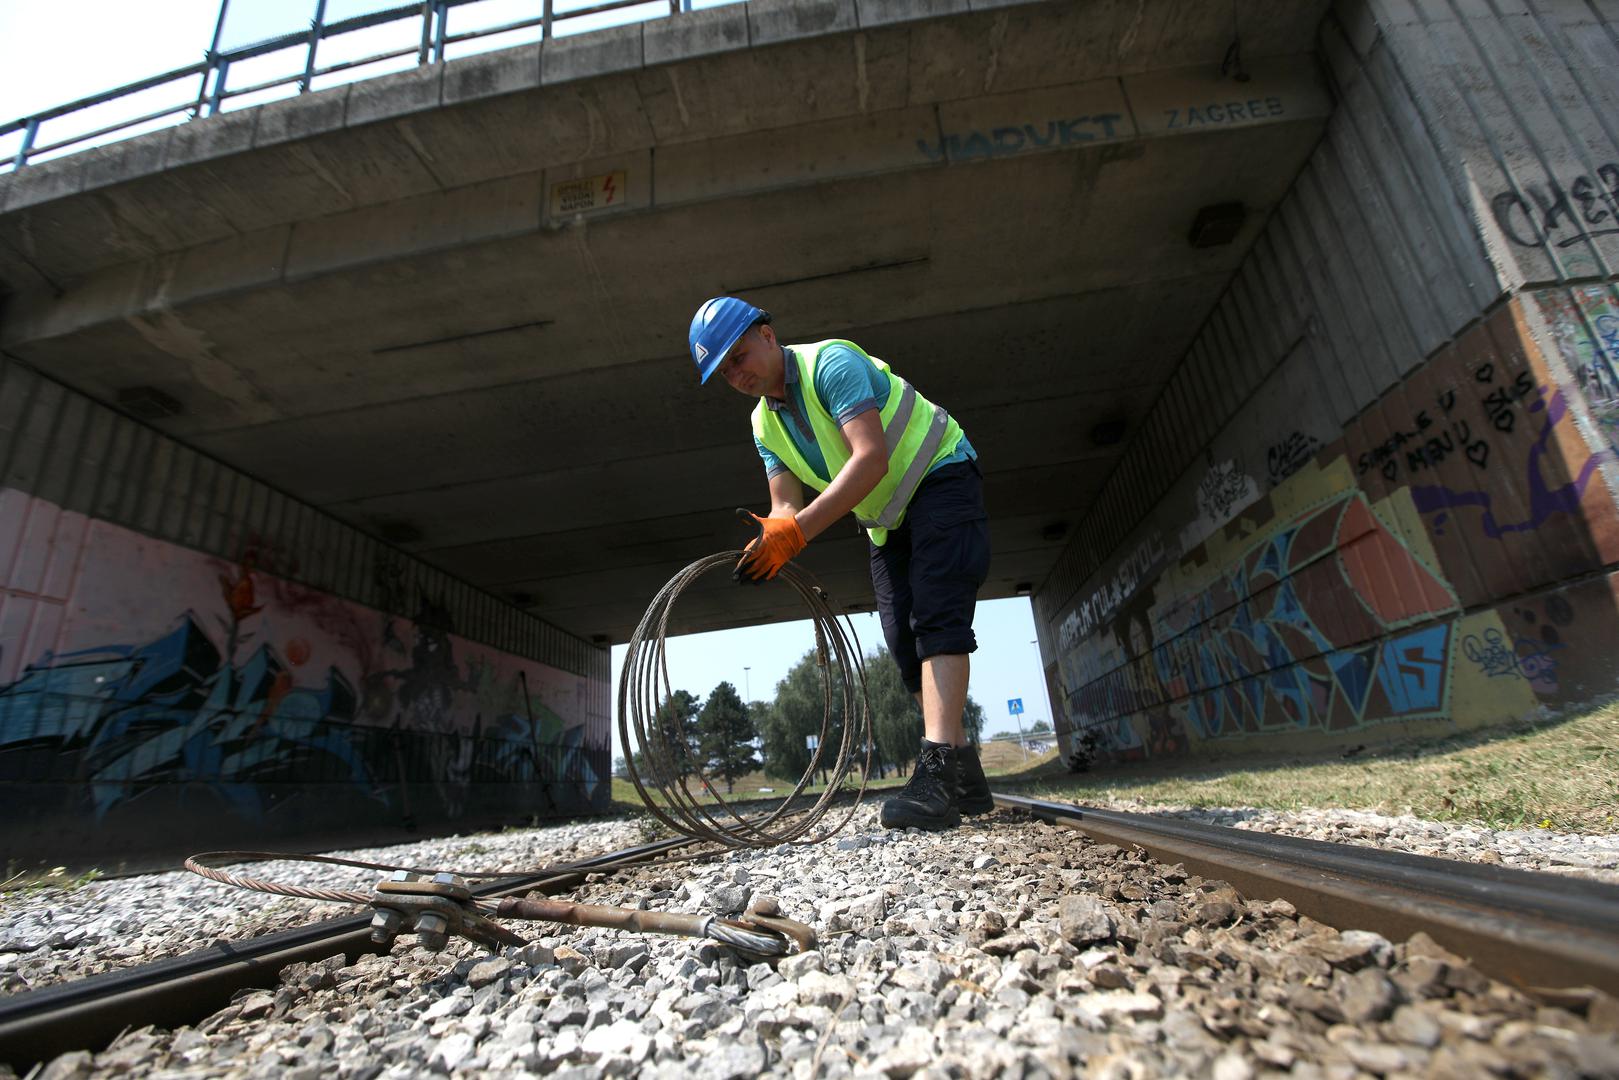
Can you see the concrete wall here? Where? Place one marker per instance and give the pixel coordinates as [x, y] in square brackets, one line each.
[1378, 497]
[189, 659]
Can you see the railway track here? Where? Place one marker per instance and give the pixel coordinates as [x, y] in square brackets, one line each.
[1548, 935]
[1541, 932]
[88, 1013]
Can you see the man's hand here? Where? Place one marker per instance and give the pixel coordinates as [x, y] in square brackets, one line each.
[779, 540]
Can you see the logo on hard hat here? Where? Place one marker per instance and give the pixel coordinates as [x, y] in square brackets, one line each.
[702, 353]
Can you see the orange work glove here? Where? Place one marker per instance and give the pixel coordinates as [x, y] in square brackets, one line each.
[779, 540]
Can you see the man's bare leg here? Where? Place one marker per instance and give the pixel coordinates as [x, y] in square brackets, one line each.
[944, 697]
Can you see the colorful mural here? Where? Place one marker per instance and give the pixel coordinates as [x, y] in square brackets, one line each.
[131, 668]
[1583, 321]
[1362, 589]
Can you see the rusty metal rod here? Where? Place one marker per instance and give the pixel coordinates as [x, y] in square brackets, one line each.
[761, 935]
[613, 918]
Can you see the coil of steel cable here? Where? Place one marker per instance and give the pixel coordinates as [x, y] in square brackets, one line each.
[663, 767]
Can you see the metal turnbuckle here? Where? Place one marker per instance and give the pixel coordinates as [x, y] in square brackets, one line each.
[434, 908]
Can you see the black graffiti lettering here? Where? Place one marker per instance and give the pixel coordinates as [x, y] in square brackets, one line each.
[1523, 384]
[1484, 372]
[1587, 194]
[1430, 453]
[1502, 207]
[1478, 452]
[1390, 469]
[1541, 212]
[1422, 421]
[1498, 406]
[1291, 454]
[1447, 399]
[1553, 205]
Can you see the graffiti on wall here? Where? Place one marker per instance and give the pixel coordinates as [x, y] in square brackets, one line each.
[1335, 602]
[1223, 490]
[1297, 631]
[1289, 454]
[175, 667]
[1144, 560]
[998, 142]
[1584, 324]
[1560, 215]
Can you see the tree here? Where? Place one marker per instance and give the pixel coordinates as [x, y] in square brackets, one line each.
[896, 722]
[760, 713]
[972, 721]
[725, 735]
[1040, 727]
[673, 732]
[798, 711]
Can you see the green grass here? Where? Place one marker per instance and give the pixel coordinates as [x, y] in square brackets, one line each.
[56, 878]
[1561, 775]
[999, 759]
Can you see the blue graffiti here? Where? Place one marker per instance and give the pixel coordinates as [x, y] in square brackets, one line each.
[1525, 658]
[126, 719]
[1017, 139]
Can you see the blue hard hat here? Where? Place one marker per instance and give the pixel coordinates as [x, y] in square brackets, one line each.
[715, 328]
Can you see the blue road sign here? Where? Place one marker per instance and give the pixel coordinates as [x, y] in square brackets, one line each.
[1014, 705]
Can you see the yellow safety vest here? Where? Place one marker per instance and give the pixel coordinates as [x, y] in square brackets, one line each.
[916, 431]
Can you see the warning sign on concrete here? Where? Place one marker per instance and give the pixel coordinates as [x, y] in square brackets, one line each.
[587, 193]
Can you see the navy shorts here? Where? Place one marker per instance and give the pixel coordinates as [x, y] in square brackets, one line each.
[926, 577]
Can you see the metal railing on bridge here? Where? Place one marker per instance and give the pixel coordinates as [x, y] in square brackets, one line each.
[213, 71]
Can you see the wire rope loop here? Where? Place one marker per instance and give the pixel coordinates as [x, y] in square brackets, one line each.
[661, 762]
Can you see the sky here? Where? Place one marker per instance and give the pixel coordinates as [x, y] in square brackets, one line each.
[1006, 665]
[65, 50]
[58, 52]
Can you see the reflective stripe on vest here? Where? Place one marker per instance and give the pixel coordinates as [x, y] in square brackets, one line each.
[918, 468]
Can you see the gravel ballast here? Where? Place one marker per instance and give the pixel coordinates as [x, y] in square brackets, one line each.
[1007, 947]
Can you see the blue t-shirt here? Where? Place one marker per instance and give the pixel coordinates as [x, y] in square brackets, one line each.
[847, 384]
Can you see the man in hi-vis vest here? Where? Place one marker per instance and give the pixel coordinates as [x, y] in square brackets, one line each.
[839, 420]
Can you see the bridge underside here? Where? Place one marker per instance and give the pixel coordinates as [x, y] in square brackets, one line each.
[399, 321]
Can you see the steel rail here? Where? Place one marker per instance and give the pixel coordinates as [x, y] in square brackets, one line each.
[1538, 931]
[36, 1025]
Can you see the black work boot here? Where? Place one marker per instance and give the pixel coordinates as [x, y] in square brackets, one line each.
[928, 799]
[972, 795]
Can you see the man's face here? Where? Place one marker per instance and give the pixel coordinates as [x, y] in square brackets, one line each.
[753, 366]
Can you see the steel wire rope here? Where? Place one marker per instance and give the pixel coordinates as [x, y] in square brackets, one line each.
[659, 758]
[200, 864]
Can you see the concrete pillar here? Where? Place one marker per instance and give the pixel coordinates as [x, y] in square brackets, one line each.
[1378, 497]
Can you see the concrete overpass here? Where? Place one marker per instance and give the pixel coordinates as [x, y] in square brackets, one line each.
[448, 306]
